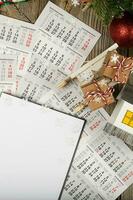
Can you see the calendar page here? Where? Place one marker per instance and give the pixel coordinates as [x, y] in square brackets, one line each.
[8, 73]
[40, 75]
[30, 91]
[49, 64]
[7, 69]
[23, 58]
[67, 31]
[16, 34]
[102, 168]
[62, 56]
[17, 38]
[22, 62]
[42, 71]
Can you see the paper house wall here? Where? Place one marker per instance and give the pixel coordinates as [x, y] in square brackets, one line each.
[122, 116]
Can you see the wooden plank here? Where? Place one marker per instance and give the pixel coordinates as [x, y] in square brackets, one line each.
[30, 10]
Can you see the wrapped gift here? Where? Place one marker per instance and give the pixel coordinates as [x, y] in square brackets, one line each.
[98, 94]
[117, 67]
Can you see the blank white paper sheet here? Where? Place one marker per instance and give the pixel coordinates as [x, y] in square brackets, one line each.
[37, 145]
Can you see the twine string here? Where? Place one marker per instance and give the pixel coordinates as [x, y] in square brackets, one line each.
[121, 67]
[99, 93]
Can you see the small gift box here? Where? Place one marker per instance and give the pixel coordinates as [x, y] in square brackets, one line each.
[98, 94]
[117, 67]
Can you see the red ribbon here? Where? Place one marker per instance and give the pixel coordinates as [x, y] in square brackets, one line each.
[99, 93]
[121, 67]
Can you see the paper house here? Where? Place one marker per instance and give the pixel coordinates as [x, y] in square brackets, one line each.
[122, 116]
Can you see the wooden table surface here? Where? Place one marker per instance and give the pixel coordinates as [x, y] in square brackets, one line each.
[29, 11]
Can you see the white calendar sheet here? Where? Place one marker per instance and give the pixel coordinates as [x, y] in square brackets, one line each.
[58, 54]
[23, 58]
[36, 149]
[75, 38]
[8, 73]
[68, 32]
[17, 38]
[16, 33]
[7, 69]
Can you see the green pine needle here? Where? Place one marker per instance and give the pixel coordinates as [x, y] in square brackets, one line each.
[108, 9]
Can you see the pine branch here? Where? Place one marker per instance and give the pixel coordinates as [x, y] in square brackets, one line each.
[108, 9]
